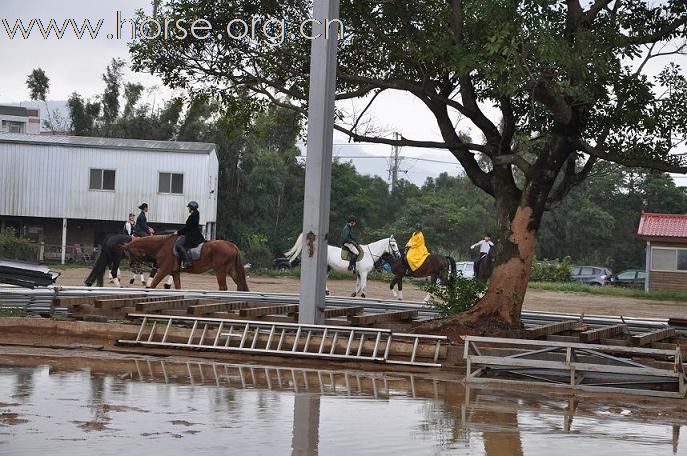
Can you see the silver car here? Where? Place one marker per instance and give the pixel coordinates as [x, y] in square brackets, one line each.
[466, 268]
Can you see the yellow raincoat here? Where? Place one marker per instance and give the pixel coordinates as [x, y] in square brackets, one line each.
[418, 251]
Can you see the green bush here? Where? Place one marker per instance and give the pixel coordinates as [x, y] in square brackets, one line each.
[258, 253]
[551, 271]
[458, 295]
[14, 247]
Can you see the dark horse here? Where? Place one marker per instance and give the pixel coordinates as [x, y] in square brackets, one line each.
[111, 255]
[483, 267]
[222, 256]
[438, 267]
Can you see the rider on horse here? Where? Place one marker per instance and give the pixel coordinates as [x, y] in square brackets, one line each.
[485, 246]
[130, 224]
[417, 250]
[142, 229]
[350, 243]
[190, 235]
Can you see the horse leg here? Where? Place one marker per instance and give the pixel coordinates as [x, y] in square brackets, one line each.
[114, 273]
[177, 281]
[363, 284]
[153, 273]
[162, 272]
[357, 285]
[221, 275]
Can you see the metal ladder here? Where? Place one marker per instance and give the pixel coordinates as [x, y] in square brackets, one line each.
[288, 339]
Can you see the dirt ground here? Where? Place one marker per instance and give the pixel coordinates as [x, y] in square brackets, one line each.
[549, 301]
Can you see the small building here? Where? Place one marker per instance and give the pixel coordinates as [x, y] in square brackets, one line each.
[16, 119]
[666, 250]
[75, 191]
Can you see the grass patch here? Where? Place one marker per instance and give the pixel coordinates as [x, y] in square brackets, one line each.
[572, 287]
[8, 312]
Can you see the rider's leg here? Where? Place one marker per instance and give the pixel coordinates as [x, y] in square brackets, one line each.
[180, 250]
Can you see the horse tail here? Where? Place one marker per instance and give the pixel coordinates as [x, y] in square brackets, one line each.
[241, 284]
[98, 271]
[296, 250]
[451, 268]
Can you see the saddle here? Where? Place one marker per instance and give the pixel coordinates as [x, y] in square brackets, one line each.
[346, 254]
[194, 253]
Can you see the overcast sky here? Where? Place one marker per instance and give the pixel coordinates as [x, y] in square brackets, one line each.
[77, 65]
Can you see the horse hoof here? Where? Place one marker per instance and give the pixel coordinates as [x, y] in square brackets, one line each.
[131, 282]
[362, 295]
[353, 295]
[326, 293]
[167, 286]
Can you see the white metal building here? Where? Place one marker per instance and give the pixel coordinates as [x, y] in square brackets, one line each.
[72, 189]
[17, 119]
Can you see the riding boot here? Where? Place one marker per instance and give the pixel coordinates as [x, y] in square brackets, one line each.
[351, 263]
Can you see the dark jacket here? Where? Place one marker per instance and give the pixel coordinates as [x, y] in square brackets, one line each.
[192, 231]
[141, 228]
[346, 234]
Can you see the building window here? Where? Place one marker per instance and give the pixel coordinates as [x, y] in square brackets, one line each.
[14, 127]
[102, 179]
[668, 259]
[171, 183]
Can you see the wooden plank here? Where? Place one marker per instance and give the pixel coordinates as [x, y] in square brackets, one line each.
[268, 310]
[653, 336]
[77, 300]
[343, 311]
[603, 333]
[400, 315]
[116, 303]
[205, 309]
[164, 305]
[550, 329]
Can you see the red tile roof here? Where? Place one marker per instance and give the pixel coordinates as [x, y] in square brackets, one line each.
[662, 225]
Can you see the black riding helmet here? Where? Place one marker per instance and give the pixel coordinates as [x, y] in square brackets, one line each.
[418, 227]
[193, 205]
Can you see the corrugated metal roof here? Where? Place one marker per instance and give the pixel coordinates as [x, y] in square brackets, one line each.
[18, 111]
[108, 143]
[662, 225]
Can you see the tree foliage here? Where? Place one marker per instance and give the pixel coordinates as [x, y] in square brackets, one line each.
[567, 81]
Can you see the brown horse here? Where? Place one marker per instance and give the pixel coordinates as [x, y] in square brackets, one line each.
[222, 256]
[438, 267]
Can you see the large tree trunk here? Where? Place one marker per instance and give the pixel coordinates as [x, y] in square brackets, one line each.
[502, 303]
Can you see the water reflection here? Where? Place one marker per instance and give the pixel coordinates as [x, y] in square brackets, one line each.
[173, 407]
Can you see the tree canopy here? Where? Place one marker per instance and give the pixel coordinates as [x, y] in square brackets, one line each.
[568, 82]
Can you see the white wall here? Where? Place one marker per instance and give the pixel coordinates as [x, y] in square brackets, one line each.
[53, 181]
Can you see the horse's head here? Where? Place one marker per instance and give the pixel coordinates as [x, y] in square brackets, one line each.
[393, 247]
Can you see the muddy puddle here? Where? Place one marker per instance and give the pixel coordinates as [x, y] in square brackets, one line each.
[66, 403]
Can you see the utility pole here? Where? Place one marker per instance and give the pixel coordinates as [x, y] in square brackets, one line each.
[395, 163]
[318, 164]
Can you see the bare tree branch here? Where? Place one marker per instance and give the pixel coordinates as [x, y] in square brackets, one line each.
[659, 165]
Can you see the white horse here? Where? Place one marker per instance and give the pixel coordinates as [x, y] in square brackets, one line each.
[372, 252]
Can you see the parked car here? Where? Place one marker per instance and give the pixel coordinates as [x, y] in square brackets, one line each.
[630, 278]
[591, 275]
[466, 268]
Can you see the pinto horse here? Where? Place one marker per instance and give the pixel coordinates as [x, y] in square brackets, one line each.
[438, 267]
[222, 256]
[372, 252]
